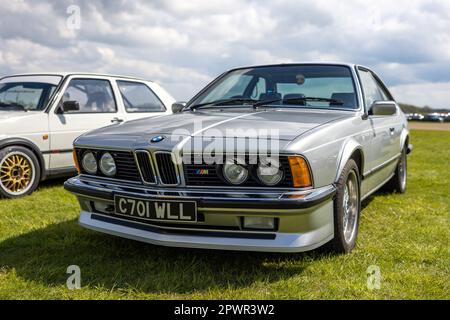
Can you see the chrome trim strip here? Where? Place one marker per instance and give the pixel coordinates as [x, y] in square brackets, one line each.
[247, 190]
[381, 166]
[100, 179]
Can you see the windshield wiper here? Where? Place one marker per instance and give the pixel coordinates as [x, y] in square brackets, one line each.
[298, 100]
[12, 106]
[224, 102]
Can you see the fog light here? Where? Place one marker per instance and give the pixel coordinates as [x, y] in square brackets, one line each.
[260, 223]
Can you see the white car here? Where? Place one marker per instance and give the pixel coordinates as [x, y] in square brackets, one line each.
[42, 114]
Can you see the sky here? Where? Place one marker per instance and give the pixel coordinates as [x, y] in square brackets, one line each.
[183, 45]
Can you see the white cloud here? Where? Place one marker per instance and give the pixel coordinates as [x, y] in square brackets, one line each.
[184, 44]
[423, 93]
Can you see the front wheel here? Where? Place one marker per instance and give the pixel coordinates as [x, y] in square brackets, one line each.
[347, 207]
[19, 172]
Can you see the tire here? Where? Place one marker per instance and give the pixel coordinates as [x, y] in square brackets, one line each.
[20, 172]
[347, 209]
[399, 180]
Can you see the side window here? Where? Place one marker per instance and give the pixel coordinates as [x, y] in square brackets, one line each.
[93, 96]
[138, 97]
[371, 89]
[386, 96]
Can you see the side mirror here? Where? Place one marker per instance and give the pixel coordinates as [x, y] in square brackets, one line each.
[178, 106]
[69, 105]
[383, 108]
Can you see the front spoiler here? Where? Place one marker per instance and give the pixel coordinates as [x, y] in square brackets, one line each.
[283, 242]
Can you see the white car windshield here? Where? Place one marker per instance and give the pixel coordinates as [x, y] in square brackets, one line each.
[25, 93]
[317, 86]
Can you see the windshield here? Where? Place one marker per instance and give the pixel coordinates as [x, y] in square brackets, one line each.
[317, 86]
[26, 95]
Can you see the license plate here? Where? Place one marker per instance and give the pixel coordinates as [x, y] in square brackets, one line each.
[156, 210]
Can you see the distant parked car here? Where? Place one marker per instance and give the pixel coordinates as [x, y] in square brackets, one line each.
[338, 137]
[42, 114]
[447, 118]
[434, 117]
[415, 117]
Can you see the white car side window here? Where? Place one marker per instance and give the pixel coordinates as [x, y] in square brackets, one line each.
[138, 97]
[92, 95]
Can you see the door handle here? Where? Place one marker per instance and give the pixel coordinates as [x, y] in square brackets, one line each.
[117, 120]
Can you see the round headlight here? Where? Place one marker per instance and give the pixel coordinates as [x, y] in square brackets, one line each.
[108, 165]
[269, 173]
[235, 173]
[89, 163]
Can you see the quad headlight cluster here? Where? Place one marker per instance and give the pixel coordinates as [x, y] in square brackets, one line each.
[267, 172]
[91, 164]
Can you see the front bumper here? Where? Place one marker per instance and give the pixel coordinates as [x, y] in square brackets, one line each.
[304, 218]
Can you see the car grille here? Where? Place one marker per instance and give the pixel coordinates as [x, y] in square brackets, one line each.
[166, 168]
[207, 175]
[140, 166]
[143, 159]
[126, 166]
[125, 163]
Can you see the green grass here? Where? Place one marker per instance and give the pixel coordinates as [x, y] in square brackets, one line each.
[407, 236]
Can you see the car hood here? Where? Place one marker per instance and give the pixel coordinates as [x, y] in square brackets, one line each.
[7, 115]
[20, 122]
[286, 124]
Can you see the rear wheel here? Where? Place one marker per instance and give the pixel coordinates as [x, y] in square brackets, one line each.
[398, 181]
[347, 207]
[19, 172]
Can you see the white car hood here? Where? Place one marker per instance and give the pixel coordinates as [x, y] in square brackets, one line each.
[12, 114]
[14, 123]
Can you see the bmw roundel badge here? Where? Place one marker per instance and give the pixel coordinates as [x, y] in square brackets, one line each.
[157, 139]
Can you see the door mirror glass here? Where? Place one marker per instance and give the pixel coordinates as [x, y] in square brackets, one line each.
[70, 106]
[383, 108]
[178, 106]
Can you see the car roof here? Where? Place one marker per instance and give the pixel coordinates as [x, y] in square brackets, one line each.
[321, 63]
[65, 74]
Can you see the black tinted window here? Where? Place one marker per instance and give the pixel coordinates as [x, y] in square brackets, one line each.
[137, 97]
[92, 95]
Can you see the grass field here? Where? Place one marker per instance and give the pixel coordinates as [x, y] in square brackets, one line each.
[406, 236]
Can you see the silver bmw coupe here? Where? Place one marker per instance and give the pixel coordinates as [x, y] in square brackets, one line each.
[268, 158]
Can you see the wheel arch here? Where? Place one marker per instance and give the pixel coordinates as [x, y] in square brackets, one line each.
[404, 138]
[351, 150]
[20, 142]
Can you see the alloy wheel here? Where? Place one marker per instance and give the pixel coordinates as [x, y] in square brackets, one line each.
[16, 173]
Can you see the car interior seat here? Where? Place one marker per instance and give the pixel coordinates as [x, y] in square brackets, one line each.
[348, 99]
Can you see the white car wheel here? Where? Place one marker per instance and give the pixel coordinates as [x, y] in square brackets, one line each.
[19, 172]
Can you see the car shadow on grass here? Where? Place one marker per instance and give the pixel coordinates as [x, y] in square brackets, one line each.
[114, 263]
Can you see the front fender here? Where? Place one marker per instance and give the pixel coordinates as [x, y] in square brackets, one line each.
[403, 138]
[27, 144]
[349, 147]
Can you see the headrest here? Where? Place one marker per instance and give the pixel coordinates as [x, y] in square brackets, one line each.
[348, 99]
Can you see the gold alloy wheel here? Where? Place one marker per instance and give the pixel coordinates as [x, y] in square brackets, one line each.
[16, 173]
